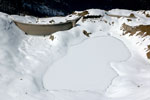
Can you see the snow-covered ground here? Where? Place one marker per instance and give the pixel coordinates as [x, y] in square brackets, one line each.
[108, 64]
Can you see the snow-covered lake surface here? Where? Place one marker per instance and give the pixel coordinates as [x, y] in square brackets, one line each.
[87, 65]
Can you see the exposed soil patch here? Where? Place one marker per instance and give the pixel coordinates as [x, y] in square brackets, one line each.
[147, 15]
[129, 20]
[142, 30]
[105, 21]
[51, 21]
[148, 55]
[118, 16]
[91, 17]
[132, 15]
[81, 14]
[86, 33]
[148, 47]
[51, 37]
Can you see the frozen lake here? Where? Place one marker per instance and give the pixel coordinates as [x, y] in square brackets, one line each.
[87, 65]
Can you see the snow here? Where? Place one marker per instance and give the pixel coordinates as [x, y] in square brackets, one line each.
[86, 66]
[25, 59]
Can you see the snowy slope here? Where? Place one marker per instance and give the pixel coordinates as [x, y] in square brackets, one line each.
[24, 59]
